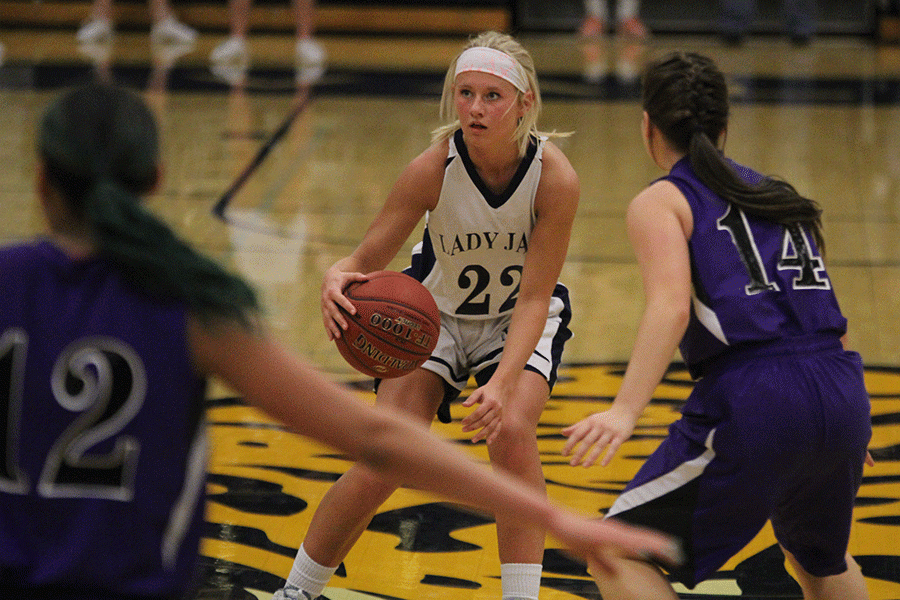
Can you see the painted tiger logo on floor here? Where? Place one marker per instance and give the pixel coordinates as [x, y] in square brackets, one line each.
[265, 483]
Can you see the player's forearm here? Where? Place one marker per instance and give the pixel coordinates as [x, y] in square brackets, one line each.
[525, 330]
[407, 452]
[661, 328]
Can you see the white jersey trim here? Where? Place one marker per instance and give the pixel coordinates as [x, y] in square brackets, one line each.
[669, 482]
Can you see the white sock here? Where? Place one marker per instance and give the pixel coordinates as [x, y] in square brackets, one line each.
[595, 8]
[627, 9]
[520, 581]
[308, 575]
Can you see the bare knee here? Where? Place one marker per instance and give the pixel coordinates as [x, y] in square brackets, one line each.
[516, 437]
[417, 394]
[367, 482]
[624, 578]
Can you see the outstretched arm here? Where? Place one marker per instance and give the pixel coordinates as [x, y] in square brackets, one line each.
[659, 225]
[278, 382]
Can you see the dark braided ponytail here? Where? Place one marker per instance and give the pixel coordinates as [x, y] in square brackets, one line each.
[99, 144]
[686, 98]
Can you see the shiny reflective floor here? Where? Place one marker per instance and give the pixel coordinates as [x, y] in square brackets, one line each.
[277, 173]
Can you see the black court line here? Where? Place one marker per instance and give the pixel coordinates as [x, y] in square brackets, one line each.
[264, 150]
[746, 89]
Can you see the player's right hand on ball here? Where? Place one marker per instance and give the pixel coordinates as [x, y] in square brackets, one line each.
[333, 285]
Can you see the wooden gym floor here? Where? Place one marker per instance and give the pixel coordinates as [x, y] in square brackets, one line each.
[298, 170]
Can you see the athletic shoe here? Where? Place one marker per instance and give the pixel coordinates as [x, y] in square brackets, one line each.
[309, 52]
[98, 52]
[309, 74]
[230, 73]
[95, 31]
[231, 51]
[289, 592]
[165, 54]
[170, 30]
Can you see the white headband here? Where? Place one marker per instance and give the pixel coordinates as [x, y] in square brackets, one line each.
[495, 62]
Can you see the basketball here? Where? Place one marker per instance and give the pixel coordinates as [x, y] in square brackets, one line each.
[395, 327]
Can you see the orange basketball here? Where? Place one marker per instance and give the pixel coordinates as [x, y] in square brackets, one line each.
[395, 327]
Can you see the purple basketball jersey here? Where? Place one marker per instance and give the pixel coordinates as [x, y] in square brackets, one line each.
[754, 280]
[102, 448]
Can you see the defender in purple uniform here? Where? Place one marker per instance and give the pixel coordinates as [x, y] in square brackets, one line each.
[109, 328]
[776, 428]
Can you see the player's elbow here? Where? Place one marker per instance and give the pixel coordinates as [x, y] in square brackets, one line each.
[680, 314]
[675, 310]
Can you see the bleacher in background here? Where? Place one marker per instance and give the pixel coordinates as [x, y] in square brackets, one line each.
[338, 16]
[847, 17]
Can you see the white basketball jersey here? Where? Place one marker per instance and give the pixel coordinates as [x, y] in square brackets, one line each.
[475, 240]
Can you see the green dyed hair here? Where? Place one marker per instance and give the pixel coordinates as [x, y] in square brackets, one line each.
[101, 149]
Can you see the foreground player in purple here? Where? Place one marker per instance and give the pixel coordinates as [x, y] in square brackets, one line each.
[778, 423]
[109, 329]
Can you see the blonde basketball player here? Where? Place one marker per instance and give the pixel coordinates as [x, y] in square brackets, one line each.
[498, 199]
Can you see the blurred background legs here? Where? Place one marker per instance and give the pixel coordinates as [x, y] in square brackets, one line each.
[166, 27]
[232, 57]
[627, 20]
